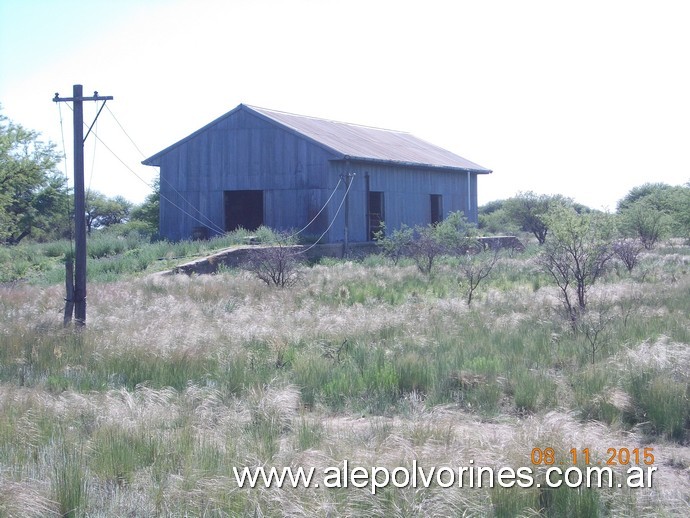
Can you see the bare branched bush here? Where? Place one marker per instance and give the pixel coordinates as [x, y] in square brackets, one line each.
[594, 325]
[424, 249]
[628, 251]
[278, 265]
[474, 268]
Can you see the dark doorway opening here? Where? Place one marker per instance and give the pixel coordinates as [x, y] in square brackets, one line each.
[436, 208]
[244, 209]
[375, 213]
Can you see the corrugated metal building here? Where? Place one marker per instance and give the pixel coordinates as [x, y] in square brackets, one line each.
[254, 166]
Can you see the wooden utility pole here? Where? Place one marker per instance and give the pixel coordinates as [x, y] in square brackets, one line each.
[78, 298]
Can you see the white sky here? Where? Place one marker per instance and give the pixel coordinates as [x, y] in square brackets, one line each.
[587, 99]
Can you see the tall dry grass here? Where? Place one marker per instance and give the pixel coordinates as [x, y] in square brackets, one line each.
[176, 380]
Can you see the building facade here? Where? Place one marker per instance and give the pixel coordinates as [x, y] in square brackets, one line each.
[254, 166]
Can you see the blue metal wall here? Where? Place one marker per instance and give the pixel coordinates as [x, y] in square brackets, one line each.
[246, 152]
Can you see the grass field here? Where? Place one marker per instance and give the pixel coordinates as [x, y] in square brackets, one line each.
[176, 380]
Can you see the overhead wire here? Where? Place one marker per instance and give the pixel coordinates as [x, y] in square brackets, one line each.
[330, 225]
[70, 203]
[217, 229]
[62, 135]
[146, 183]
[125, 132]
[210, 222]
[318, 213]
[213, 225]
[93, 163]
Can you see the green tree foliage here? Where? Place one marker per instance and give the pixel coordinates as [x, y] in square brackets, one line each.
[527, 211]
[424, 244]
[33, 195]
[494, 219]
[455, 233]
[654, 211]
[642, 219]
[576, 254]
[396, 244]
[642, 191]
[102, 211]
[149, 211]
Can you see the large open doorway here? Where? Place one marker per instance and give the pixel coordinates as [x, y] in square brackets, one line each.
[375, 213]
[244, 209]
[436, 208]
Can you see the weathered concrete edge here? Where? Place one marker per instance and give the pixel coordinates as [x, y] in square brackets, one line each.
[234, 256]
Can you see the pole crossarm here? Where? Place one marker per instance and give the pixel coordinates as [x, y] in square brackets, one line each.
[76, 292]
[95, 97]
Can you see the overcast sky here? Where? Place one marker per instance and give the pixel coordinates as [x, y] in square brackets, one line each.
[587, 99]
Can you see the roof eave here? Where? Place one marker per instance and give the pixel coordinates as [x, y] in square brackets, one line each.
[382, 161]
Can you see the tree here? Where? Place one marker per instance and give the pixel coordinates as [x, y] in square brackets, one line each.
[149, 211]
[527, 211]
[452, 236]
[643, 220]
[34, 200]
[640, 192]
[594, 326]
[653, 211]
[576, 255]
[102, 211]
[424, 248]
[494, 219]
[456, 234]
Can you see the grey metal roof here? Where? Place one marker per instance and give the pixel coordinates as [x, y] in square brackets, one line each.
[354, 142]
[371, 144]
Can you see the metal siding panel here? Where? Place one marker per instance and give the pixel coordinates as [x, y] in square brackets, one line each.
[358, 215]
[248, 152]
[193, 165]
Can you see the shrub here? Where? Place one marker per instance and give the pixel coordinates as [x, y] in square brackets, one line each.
[424, 244]
[425, 248]
[576, 255]
[628, 252]
[397, 244]
[643, 220]
[527, 211]
[474, 268]
[277, 265]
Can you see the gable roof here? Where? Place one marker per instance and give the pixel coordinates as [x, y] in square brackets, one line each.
[354, 142]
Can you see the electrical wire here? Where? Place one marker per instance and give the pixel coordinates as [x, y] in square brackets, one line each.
[93, 163]
[125, 132]
[329, 226]
[146, 183]
[70, 203]
[217, 229]
[318, 213]
[62, 135]
[210, 223]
